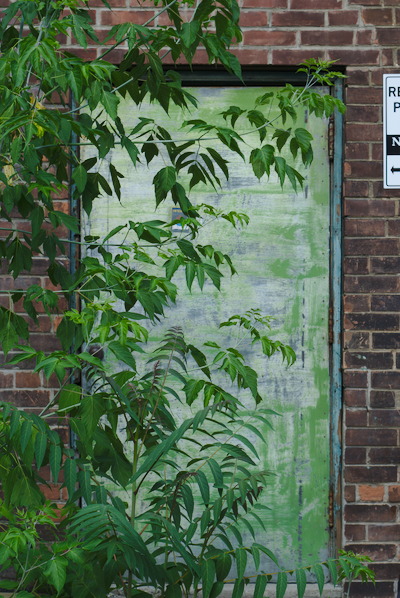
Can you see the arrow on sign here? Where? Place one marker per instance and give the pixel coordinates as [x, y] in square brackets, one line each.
[393, 169]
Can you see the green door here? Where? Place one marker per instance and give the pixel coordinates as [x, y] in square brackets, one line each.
[282, 259]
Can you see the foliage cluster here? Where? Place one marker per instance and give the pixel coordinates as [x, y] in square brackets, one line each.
[164, 539]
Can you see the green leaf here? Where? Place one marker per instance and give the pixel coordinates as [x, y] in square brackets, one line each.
[268, 552]
[256, 556]
[223, 566]
[190, 271]
[173, 591]
[216, 472]
[55, 572]
[207, 576]
[332, 566]
[55, 454]
[85, 485]
[280, 168]
[189, 32]
[261, 160]
[281, 584]
[318, 571]
[122, 353]
[238, 589]
[69, 398]
[70, 476]
[301, 582]
[163, 182]
[40, 448]
[26, 433]
[260, 585]
[203, 486]
[241, 561]
[161, 450]
[79, 176]
[110, 102]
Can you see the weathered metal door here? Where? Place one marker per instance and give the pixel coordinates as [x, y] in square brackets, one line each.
[282, 259]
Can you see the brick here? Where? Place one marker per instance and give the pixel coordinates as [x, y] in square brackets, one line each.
[366, 284]
[378, 552]
[385, 303]
[111, 18]
[364, 114]
[382, 456]
[364, 95]
[112, 3]
[394, 228]
[394, 493]
[6, 380]
[388, 340]
[354, 397]
[358, 513]
[388, 36]
[379, 192]
[356, 265]
[250, 18]
[382, 399]
[377, 151]
[364, 208]
[385, 380]
[356, 151]
[266, 37]
[27, 380]
[370, 360]
[386, 570]
[371, 247]
[290, 57]
[298, 18]
[84, 53]
[355, 533]
[377, 16]
[371, 321]
[369, 589]
[350, 493]
[356, 340]
[352, 56]
[371, 437]
[265, 3]
[356, 303]
[364, 132]
[363, 169]
[371, 493]
[364, 37]
[316, 4]
[355, 379]
[355, 227]
[339, 37]
[365, 2]
[388, 418]
[373, 474]
[356, 188]
[356, 418]
[51, 492]
[26, 398]
[355, 456]
[343, 18]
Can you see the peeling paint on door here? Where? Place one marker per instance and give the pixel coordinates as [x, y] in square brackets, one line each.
[283, 262]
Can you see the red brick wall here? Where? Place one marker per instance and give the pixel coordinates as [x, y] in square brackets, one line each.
[364, 36]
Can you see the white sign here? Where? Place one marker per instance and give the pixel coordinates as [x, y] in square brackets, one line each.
[391, 131]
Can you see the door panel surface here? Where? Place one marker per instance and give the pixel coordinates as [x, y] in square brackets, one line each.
[282, 259]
